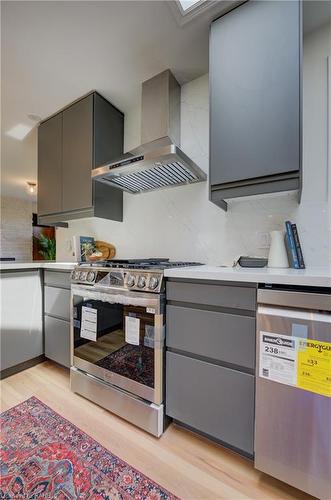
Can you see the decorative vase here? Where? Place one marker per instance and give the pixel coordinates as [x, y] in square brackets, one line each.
[277, 253]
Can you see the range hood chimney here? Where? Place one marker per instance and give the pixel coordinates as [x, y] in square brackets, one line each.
[159, 162]
[160, 109]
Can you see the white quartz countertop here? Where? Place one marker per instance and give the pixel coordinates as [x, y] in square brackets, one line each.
[16, 265]
[313, 276]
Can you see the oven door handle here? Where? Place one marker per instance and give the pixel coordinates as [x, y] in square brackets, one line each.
[125, 298]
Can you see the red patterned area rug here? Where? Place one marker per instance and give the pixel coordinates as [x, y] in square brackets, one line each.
[45, 456]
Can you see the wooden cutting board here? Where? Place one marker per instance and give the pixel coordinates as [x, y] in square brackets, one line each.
[107, 249]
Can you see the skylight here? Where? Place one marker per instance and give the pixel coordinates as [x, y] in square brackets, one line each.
[186, 10]
[187, 4]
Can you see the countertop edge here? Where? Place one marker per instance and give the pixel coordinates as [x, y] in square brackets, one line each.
[17, 266]
[315, 277]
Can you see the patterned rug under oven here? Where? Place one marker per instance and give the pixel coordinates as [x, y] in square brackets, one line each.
[45, 456]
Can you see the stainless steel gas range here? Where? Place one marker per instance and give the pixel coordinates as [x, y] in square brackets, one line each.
[118, 337]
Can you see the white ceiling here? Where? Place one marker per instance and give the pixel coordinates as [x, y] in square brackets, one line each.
[55, 51]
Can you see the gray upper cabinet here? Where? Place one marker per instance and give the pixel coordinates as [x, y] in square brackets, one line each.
[82, 136]
[50, 155]
[77, 155]
[107, 145]
[255, 72]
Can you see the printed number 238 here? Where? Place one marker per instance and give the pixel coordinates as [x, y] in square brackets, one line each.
[272, 350]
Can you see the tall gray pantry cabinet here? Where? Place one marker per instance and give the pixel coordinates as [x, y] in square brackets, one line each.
[255, 100]
[84, 135]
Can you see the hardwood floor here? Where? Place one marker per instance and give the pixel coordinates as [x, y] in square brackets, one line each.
[187, 465]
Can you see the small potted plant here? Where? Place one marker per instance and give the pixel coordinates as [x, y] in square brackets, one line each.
[46, 245]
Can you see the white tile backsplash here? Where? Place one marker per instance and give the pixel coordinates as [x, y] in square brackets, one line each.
[181, 223]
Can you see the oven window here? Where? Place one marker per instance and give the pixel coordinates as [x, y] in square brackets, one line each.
[117, 338]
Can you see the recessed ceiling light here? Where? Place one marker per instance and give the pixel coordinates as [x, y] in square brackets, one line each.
[20, 131]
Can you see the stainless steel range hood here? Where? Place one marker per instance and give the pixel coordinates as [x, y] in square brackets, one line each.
[159, 162]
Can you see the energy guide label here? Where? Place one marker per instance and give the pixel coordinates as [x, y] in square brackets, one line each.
[278, 358]
[303, 363]
[314, 366]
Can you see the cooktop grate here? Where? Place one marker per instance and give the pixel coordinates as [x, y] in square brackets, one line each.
[151, 264]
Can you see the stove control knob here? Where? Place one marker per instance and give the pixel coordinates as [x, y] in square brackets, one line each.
[75, 275]
[131, 281]
[90, 276]
[153, 282]
[141, 282]
[82, 276]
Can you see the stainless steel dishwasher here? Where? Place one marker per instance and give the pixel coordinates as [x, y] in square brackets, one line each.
[293, 388]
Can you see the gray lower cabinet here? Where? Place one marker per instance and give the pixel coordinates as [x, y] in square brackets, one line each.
[21, 326]
[215, 400]
[57, 302]
[57, 340]
[57, 316]
[210, 359]
[225, 296]
[224, 337]
[57, 278]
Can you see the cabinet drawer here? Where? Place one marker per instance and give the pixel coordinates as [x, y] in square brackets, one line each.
[221, 336]
[212, 399]
[234, 297]
[57, 278]
[57, 302]
[57, 340]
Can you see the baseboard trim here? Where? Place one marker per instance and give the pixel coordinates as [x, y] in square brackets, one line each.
[7, 372]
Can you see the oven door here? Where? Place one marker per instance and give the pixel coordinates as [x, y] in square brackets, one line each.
[118, 336]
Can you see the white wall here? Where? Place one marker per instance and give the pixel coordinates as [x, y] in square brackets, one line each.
[16, 227]
[181, 223]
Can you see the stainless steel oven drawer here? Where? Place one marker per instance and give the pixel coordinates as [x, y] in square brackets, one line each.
[224, 337]
[147, 416]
